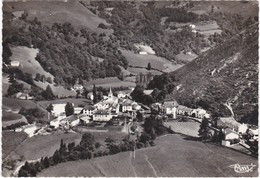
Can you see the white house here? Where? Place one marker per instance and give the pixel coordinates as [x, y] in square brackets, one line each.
[230, 134]
[90, 96]
[242, 128]
[121, 94]
[143, 52]
[127, 105]
[183, 110]
[102, 115]
[200, 113]
[171, 107]
[22, 96]
[77, 110]
[192, 26]
[88, 110]
[15, 63]
[29, 129]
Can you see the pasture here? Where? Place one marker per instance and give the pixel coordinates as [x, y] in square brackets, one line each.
[208, 28]
[137, 71]
[173, 156]
[189, 128]
[57, 11]
[9, 118]
[10, 141]
[14, 105]
[143, 60]
[41, 146]
[108, 82]
[26, 57]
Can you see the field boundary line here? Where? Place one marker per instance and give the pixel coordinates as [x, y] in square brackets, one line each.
[151, 166]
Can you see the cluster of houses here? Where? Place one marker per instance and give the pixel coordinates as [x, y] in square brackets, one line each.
[234, 130]
[103, 111]
[173, 108]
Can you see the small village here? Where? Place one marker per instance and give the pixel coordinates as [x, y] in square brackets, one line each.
[119, 109]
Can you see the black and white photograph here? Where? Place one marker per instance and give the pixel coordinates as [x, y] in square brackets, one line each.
[135, 88]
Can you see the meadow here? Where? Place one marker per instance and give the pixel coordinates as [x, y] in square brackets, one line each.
[72, 12]
[189, 128]
[108, 82]
[10, 141]
[9, 118]
[43, 145]
[76, 101]
[143, 60]
[26, 57]
[173, 156]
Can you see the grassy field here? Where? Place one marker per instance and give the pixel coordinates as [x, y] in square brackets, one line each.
[10, 140]
[136, 71]
[76, 101]
[189, 128]
[26, 57]
[57, 90]
[57, 11]
[7, 116]
[173, 156]
[108, 82]
[41, 146]
[11, 104]
[186, 57]
[143, 60]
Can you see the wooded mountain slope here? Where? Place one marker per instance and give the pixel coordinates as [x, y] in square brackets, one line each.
[227, 73]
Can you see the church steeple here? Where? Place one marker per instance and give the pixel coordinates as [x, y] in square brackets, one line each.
[110, 94]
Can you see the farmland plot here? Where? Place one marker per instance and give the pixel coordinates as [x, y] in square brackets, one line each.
[189, 128]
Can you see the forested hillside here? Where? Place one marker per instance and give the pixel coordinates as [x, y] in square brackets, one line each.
[224, 75]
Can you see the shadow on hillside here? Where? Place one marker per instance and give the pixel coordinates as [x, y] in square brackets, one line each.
[192, 138]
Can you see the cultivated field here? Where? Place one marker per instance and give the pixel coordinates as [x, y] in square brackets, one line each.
[76, 101]
[143, 60]
[173, 156]
[189, 128]
[137, 71]
[108, 82]
[10, 140]
[26, 57]
[41, 146]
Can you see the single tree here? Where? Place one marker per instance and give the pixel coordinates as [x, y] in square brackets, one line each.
[149, 67]
[49, 79]
[48, 93]
[69, 109]
[49, 108]
[37, 77]
[203, 130]
[94, 94]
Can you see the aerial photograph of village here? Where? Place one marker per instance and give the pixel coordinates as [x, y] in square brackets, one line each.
[129, 88]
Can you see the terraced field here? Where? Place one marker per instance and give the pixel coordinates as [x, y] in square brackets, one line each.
[173, 156]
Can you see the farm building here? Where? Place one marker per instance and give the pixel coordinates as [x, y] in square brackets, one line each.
[143, 53]
[56, 122]
[14, 63]
[22, 96]
[126, 105]
[171, 107]
[232, 123]
[72, 121]
[121, 94]
[148, 92]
